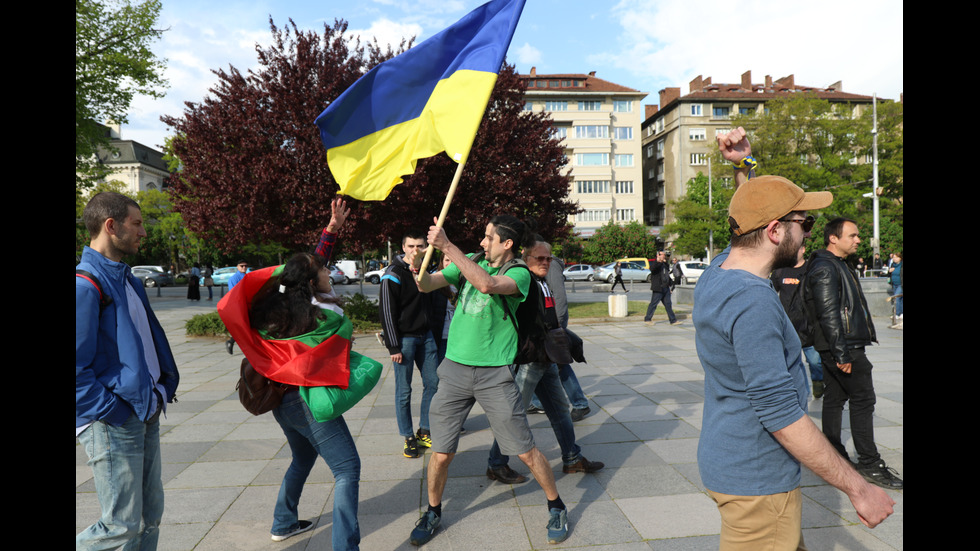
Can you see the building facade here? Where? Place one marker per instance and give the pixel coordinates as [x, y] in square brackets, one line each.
[678, 136]
[599, 123]
[138, 166]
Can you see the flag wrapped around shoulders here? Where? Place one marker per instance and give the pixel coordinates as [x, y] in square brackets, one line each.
[318, 358]
[428, 99]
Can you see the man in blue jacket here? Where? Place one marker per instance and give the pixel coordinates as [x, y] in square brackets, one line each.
[125, 374]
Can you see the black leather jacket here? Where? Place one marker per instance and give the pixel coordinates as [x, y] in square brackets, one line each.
[836, 307]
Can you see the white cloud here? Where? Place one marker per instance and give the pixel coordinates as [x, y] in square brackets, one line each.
[669, 42]
[527, 54]
[387, 32]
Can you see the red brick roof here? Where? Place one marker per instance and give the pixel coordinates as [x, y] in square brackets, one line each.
[588, 83]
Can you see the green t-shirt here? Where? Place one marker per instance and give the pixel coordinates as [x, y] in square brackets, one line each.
[481, 333]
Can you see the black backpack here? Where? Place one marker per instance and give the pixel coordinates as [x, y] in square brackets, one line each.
[528, 320]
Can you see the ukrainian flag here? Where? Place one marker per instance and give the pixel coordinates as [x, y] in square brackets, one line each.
[427, 100]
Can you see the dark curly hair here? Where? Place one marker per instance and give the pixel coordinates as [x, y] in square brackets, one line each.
[290, 312]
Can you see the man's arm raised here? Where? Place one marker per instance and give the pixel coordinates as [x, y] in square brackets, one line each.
[734, 146]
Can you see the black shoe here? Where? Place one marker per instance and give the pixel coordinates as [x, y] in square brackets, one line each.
[882, 475]
[411, 449]
[301, 527]
[583, 465]
[230, 345]
[534, 409]
[579, 413]
[505, 474]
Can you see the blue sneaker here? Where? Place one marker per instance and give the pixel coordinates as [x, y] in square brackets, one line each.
[425, 528]
[558, 526]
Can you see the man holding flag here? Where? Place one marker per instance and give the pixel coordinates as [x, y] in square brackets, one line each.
[482, 346]
[425, 101]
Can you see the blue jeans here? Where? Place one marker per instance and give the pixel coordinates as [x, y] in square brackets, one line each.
[125, 463]
[421, 352]
[332, 441]
[813, 360]
[899, 301]
[573, 390]
[542, 380]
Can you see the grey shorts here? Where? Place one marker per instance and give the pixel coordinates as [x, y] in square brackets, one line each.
[460, 386]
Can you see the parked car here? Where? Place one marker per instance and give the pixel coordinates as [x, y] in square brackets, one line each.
[375, 276]
[160, 276]
[632, 271]
[222, 275]
[153, 278]
[643, 262]
[352, 270]
[691, 270]
[579, 272]
[336, 274]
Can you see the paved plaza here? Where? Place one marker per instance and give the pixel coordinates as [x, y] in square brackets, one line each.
[222, 466]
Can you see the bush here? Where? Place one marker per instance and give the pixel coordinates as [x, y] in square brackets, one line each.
[206, 325]
[363, 313]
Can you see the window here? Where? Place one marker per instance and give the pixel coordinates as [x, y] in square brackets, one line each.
[658, 126]
[592, 131]
[593, 215]
[589, 105]
[592, 186]
[649, 151]
[625, 215]
[622, 132]
[624, 186]
[556, 106]
[721, 112]
[624, 159]
[699, 159]
[697, 134]
[622, 106]
[559, 132]
[528, 106]
[592, 159]
[696, 110]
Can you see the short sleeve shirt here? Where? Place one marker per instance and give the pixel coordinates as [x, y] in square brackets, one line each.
[481, 333]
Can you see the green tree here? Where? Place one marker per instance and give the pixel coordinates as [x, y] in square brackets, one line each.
[821, 146]
[614, 241]
[694, 219]
[113, 63]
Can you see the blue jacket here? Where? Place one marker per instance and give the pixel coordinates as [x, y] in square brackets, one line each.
[111, 376]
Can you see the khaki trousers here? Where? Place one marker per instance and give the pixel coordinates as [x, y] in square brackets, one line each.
[761, 523]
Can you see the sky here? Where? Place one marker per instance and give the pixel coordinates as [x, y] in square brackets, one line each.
[647, 45]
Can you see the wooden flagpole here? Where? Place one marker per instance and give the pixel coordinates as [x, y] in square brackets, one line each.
[442, 216]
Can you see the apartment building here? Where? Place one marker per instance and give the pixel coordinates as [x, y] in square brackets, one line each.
[679, 134]
[599, 122]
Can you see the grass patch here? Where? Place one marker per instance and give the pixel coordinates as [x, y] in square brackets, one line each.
[577, 310]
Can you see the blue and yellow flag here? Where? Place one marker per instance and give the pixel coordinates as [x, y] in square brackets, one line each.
[427, 100]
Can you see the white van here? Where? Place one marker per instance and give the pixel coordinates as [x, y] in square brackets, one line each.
[352, 269]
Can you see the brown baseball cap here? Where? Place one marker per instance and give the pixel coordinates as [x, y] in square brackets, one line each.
[766, 198]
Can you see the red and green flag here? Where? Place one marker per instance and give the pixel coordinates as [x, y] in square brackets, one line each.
[318, 358]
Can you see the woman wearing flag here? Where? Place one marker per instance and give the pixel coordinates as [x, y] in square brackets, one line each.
[291, 329]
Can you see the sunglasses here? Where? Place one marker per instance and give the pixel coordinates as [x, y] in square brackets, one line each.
[806, 223]
[543, 258]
